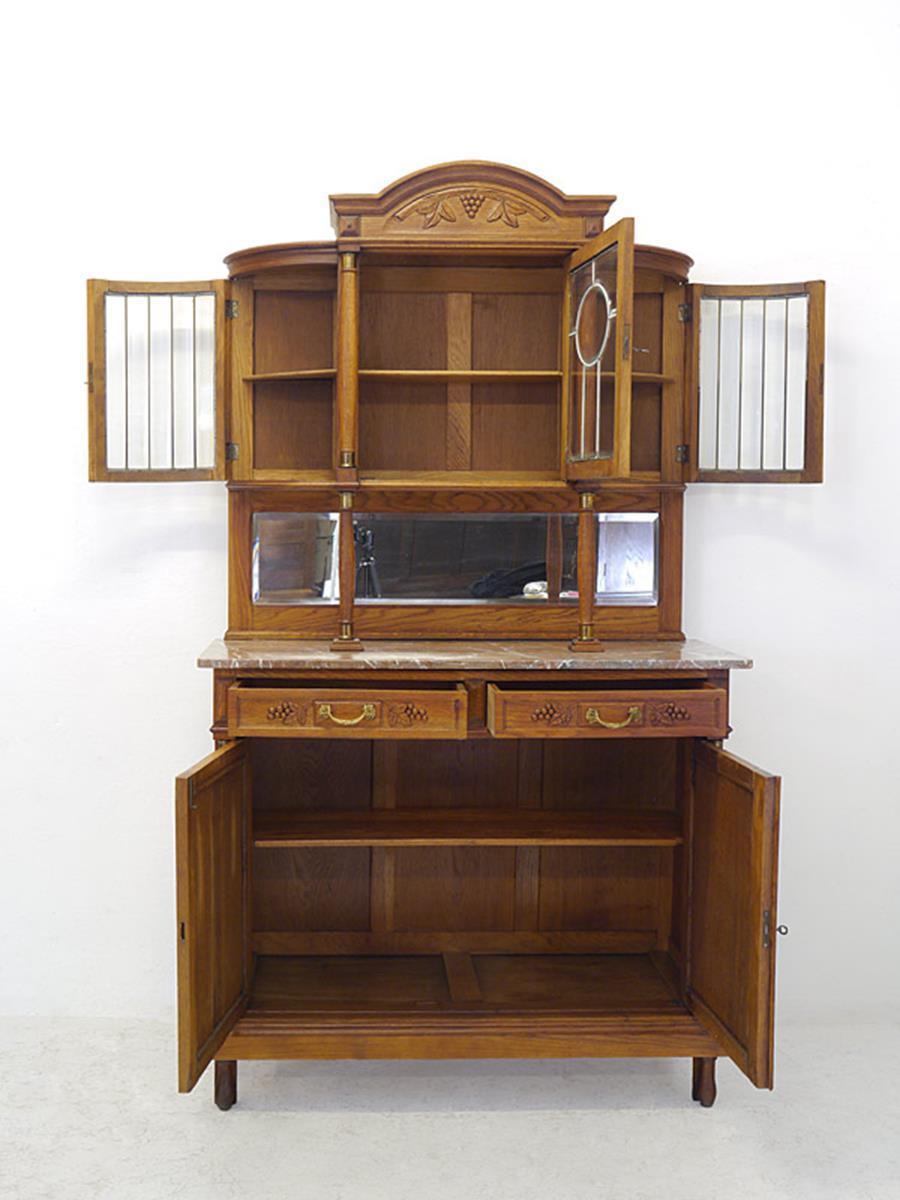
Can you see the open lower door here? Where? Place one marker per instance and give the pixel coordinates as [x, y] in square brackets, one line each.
[212, 815]
[734, 861]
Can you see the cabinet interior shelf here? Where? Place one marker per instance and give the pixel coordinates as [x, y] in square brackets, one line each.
[465, 827]
[274, 376]
[343, 987]
[445, 376]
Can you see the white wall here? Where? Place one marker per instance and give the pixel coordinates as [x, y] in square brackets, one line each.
[145, 143]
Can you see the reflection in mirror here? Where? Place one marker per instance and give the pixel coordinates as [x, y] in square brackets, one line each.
[592, 355]
[627, 554]
[160, 381]
[462, 558]
[295, 558]
[753, 356]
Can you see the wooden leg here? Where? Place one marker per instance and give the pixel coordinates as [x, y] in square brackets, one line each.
[225, 1090]
[704, 1082]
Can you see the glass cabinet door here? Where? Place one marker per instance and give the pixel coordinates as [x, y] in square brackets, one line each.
[598, 369]
[156, 380]
[755, 395]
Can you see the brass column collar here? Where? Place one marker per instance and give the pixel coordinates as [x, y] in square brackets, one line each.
[346, 500]
[587, 500]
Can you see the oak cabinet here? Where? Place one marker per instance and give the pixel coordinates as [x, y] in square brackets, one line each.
[469, 795]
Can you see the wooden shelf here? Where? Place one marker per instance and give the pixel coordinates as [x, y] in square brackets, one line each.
[641, 377]
[465, 827]
[277, 376]
[496, 984]
[463, 376]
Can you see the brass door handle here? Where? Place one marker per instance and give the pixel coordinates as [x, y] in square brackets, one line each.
[367, 714]
[593, 718]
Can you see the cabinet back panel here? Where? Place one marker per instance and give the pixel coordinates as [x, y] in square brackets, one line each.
[402, 426]
[515, 426]
[293, 331]
[292, 424]
[516, 333]
[610, 773]
[403, 331]
[586, 887]
[463, 774]
[296, 773]
[647, 342]
[302, 890]
[646, 426]
[454, 888]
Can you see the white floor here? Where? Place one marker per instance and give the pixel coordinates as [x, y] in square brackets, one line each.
[88, 1109]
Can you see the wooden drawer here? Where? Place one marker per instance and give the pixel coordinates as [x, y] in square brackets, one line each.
[694, 712]
[347, 712]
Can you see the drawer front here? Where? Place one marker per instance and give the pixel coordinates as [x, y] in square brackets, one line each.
[351, 713]
[658, 713]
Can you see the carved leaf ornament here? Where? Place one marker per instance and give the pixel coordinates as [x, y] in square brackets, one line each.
[450, 203]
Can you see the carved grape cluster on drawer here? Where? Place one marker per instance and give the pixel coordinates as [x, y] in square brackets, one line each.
[549, 714]
[668, 713]
[405, 715]
[285, 712]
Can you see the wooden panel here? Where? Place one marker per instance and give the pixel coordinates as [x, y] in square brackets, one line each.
[646, 426]
[647, 349]
[599, 888]
[347, 712]
[615, 773]
[734, 853]
[700, 712]
[402, 426]
[462, 888]
[211, 815]
[662, 1035]
[518, 333]
[515, 427]
[464, 827]
[292, 425]
[464, 774]
[311, 889]
[293, 331]
[309, 773]
[400, 329]
[471, 941]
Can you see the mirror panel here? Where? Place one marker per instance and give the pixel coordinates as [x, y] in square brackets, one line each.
[295, 558]
[464, 558]
[627, 558]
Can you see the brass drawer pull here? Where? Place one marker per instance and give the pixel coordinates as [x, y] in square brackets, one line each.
[367, 714]
[593, 718]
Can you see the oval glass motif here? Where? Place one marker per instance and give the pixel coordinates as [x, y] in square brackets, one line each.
[593, 322]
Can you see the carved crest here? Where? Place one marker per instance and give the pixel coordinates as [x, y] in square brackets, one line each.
[474, 201]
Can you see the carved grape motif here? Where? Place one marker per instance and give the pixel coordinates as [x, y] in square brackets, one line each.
[283, 712]
[406, 715]
[669, 714]
[549, 714]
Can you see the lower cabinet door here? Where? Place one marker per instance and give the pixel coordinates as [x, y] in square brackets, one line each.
[212, 827]
[734, 872]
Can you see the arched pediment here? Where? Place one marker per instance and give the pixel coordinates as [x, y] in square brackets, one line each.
[469, 201]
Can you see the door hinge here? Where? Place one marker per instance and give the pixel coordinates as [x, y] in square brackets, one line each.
[232, 450]
[626, 344]
[767, 929]
[685, 313]
[682, 453]
[192, 803]
[182, 933]
[231, 309]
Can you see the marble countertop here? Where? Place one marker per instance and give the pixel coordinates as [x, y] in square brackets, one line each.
[265, 654]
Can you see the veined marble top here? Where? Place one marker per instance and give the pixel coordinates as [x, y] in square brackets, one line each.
[285, 654]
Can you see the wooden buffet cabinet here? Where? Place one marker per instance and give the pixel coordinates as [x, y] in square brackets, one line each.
[468, 796]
